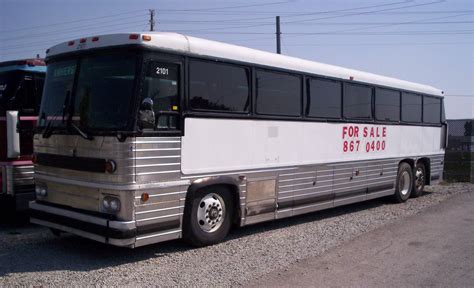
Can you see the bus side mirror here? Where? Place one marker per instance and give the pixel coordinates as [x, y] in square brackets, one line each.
[13, 137]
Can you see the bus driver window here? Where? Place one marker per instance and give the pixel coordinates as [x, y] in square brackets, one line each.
[161, 88]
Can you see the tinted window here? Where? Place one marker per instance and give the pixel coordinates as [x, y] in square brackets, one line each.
[387, 105]
[431, 110]
[324, 98]
[58, 89]
[278, 94]
[160, 95]
[411, 107]
[357, 101]
[21, 91]
[443, 113]
[218, 87]
[104, 91]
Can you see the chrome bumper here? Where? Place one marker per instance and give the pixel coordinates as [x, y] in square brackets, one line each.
[117, 233]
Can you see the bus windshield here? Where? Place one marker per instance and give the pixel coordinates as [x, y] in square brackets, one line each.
[94, 92]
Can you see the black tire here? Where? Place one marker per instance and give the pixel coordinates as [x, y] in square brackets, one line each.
[204, 207]
[419, 180]
[404, 185]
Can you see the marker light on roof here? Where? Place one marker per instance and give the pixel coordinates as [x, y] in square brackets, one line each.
[351, 78]
[70, 43]
[146, 37]
[83, 40]
[133, 36]
[94, 39]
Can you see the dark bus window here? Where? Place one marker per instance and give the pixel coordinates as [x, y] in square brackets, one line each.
[411, 107]
[324, 98]
[387, 105]
[218, 87]
[21, 91]
[443, 113]
[278, 94]
[58, 87]
[431, 110]
[357, 101]
[160, 97]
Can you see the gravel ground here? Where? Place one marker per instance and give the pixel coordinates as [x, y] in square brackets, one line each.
[32, 256]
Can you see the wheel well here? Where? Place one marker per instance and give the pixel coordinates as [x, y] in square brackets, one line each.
[426, 162]
[410, 162]
[234, 191]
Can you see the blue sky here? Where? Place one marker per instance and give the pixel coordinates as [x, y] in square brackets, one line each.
[430, 42]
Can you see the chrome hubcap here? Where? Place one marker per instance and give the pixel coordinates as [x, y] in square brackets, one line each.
[211, 213]
[419, 178]
[404, 183]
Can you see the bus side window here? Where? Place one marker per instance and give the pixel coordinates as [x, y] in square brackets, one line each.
[161, 96]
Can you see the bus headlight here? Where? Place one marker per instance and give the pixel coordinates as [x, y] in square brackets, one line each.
[111, 204]
[41, 190]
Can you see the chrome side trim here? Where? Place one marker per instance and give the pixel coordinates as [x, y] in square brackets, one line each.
[163, 194]
[160, 217]
[237, 172]
[113, 186]
[158, 210]
[158, 235]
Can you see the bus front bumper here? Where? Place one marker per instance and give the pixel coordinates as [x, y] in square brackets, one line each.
[117, 233]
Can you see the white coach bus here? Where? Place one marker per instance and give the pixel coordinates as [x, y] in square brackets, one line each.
[149, 137]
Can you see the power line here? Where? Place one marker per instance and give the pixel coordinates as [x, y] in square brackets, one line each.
[229, 7]
[297, 13]
[382, 33]
[314, 13]
[53, 42]
[74, 21]
[382, 44]
[223, 22]
[78, 34]
[368, 12]
[406, 22]
[81, 28]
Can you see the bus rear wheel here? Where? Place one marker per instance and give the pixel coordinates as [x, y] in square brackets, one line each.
[419, 184]
[404, 185]
[207, 219]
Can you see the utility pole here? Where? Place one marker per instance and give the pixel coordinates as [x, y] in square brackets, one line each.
[278, 34]
[152, 19]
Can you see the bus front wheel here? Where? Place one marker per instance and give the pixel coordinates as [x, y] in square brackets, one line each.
[404, 185]
[207, 218]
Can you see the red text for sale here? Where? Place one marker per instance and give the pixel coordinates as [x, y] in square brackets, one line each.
[363, 138]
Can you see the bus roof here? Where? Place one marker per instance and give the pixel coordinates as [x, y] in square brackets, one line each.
[202, 47]
[30, 65]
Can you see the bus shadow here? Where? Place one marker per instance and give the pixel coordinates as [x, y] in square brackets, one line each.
[73, 253]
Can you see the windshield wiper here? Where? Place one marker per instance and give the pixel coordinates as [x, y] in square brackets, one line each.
[82, 133]
[48, 130]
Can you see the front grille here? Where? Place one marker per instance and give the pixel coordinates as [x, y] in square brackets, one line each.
[73, 163]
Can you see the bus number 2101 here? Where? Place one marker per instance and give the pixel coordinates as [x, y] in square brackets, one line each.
[162, 71]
